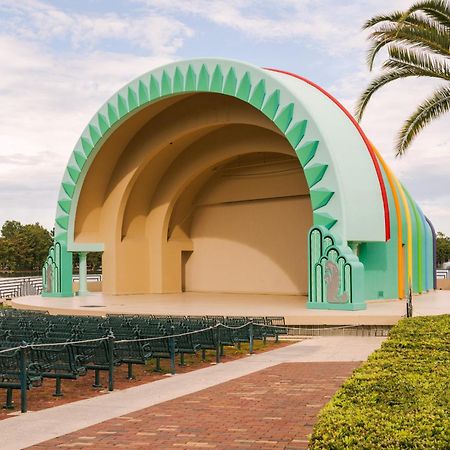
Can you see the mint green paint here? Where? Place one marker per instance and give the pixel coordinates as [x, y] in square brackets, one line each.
[191, 79]
[417, 244]
[258, 94]
[203, 79]
[121, 106]
[94, 133]
[284, 118]
[296, 133]
[102, 123]
[336, 277]
[217, 80]
[314, 173]
[69, 188]
[166, 84]
[244, 87]
[87, 145]
[380, 259]
[320, 197]
[272, 104]
[230, 82]
[143, 97]
[178, 81]
[324, 220]
[306, 152]
[132, 100]
[154, 88]
[112, 114]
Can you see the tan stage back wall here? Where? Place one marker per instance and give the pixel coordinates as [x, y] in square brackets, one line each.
[249, 230]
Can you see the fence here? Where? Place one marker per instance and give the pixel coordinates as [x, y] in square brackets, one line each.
[22, 286]
[442, 274]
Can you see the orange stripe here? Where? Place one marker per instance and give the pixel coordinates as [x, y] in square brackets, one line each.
[398, 213]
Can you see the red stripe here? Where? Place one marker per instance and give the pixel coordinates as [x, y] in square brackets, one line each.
[387, 225]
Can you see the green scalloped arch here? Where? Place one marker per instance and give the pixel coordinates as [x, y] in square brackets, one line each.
[179, 78]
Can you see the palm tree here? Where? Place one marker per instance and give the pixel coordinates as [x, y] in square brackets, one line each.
[418, 45]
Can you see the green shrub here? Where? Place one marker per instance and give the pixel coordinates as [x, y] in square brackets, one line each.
[399, 398]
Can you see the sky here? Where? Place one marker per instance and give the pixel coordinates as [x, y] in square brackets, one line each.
[61, 60]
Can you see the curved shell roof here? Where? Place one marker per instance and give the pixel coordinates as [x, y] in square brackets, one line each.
[346, 185]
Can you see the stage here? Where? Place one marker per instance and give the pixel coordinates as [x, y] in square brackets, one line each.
[293, 308]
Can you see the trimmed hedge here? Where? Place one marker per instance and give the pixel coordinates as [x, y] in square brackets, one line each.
[399, 398]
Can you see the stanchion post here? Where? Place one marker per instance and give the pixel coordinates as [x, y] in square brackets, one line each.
[172, 354]
[250, 332]
[111, 362]
[218, 344]
[23, 380]
[409, 304]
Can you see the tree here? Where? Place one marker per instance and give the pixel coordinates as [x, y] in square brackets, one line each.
[442, 248]
[418, 45]
[23, 247]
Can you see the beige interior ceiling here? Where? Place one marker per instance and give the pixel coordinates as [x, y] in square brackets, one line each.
[197, 192]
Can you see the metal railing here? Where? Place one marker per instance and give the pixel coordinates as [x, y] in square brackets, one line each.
[23, 286]
[442, 274]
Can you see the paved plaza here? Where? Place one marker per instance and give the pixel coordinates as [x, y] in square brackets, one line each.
[275, 408]
[305, 373]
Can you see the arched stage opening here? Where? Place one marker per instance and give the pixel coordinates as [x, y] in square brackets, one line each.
[192, 192]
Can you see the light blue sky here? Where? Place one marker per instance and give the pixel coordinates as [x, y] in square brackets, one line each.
[60, 60]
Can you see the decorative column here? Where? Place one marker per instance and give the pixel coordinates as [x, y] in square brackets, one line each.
[83, 290]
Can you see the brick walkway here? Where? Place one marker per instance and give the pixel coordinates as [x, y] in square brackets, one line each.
[274, 408]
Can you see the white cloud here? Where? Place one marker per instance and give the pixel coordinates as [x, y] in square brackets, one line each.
[334, 26]
[36, 20]
[48, 96]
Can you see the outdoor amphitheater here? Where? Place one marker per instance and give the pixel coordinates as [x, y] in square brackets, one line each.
[256, 250]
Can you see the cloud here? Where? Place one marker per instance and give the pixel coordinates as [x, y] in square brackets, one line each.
[49, 95]
[333, 26]
[36, 20]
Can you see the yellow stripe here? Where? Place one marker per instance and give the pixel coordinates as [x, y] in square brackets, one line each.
[398, 214]
[409, 229]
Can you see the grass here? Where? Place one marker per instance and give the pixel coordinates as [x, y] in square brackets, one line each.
[399, 398]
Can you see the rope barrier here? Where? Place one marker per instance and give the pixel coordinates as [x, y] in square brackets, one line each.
[285, 327]
[155, 338]
[54, 344]
[9, 349]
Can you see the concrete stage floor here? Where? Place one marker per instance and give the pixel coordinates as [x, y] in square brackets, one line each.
[293, 308]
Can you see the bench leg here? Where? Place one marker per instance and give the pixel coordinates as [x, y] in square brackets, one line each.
[158, 365]
[222, 350]
[9, 399]
[58, 392]
[203, 354]
[182, 359]
[97, 379]
[130, 371]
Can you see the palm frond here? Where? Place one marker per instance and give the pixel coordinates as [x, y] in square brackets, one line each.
[434, 39]
[429, 65]
[432, 108]
[393, 17]
[438, 10]
[378, 83]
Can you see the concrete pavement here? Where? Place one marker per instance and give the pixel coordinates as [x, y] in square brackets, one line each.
[35, 427]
